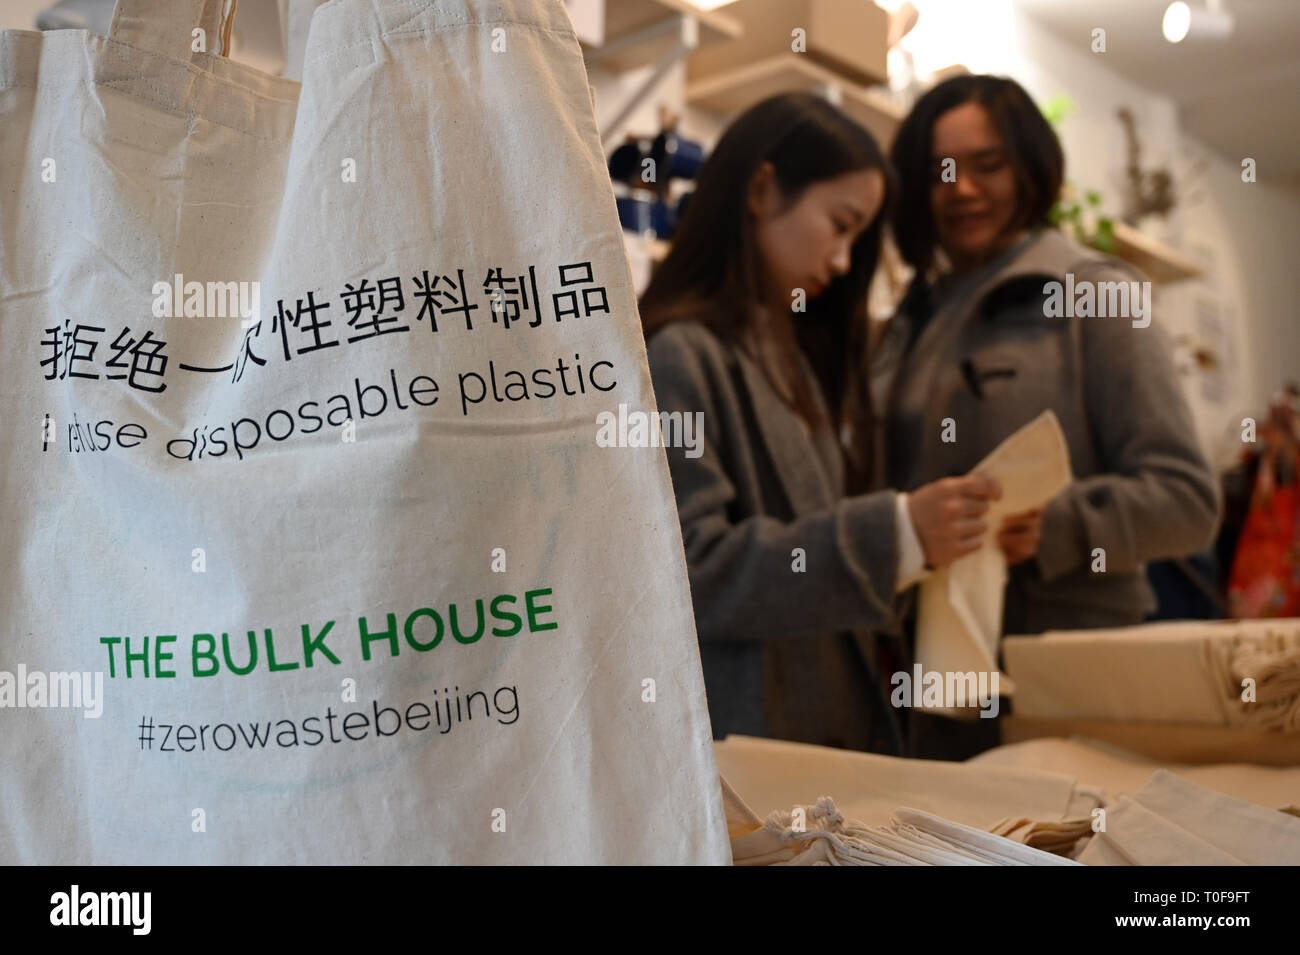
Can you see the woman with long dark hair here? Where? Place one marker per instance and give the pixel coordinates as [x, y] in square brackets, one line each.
[757, 318]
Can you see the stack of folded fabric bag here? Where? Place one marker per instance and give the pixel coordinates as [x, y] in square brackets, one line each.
[1073, 804]
[1230, 814]
[1171, 821]
[1238, 673]
[820, 835]
[838, 807]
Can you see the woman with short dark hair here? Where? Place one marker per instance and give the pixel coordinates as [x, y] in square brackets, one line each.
[1027, 150]
[983, 343]
[757, 318]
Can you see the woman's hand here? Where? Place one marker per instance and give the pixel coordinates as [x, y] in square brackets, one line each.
[948, 516]
[1020, 534]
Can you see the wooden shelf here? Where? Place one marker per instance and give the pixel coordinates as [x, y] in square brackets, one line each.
[734, 91]
[641, 32]
[1158, 261]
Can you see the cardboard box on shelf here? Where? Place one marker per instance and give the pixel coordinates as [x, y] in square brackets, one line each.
[847, 36]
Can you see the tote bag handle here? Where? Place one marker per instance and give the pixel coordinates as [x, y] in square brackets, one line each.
[167, 26]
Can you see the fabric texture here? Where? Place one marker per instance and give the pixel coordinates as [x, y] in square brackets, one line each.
[819, 834]
[305, 579]
[784, 651]
[1157, 672]
[1220, 673]
[959, 616]
[1135, 835]
[1113, 771]
[1058, 838]
[1142, 490]
[1171, 821]
[1151, 816]
[1265, 656]
[869, 788]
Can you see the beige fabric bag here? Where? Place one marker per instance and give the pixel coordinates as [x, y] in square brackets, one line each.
[1114, 771]
[1192, 671]
[464, 626]
[1171, 821]
[820, 834]
[775, 774]
[959, 617]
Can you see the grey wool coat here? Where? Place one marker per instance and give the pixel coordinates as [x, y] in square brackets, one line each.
[783, 651]
[991, 360]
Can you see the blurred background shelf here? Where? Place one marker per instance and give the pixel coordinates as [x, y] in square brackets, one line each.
[641, 32]
[849, 37]
[1157, 260]
[735, 90]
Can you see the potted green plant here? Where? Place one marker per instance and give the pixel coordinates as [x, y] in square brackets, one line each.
[1081, 218]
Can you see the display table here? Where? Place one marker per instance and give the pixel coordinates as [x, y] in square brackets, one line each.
[772, 774]
[1115, 771]
[1071, 798]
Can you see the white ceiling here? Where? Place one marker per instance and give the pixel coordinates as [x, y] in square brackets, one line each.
[1239, 95]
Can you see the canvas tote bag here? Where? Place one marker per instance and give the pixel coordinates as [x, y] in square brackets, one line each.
[358, 580]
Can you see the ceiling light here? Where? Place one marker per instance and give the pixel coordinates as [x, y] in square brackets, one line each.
[1182, 21]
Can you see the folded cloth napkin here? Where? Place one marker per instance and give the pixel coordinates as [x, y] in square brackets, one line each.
[1059, 838]
[959, 618]
[1135, 835]
[1000, 850]
[1171, 821]
[820, 835]
[1254, 834]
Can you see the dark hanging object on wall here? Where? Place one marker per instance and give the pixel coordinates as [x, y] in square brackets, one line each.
[1146, 191]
